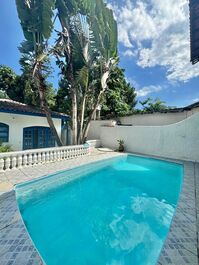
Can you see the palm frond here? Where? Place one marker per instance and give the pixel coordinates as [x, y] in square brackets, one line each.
[36, 19]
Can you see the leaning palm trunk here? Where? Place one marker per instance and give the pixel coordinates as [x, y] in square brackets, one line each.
[40, 84]
[91, 117]
[104, 79]
[36, 21]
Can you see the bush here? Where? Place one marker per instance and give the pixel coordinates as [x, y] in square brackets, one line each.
[5, 148]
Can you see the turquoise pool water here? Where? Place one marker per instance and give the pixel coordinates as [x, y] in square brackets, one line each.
[115, 212]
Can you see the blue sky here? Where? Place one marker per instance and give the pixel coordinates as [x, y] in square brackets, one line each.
[153, 47]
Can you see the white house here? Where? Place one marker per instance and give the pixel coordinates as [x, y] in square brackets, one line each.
[26, 127]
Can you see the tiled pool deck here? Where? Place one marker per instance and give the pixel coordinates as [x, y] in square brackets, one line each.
[181, 246]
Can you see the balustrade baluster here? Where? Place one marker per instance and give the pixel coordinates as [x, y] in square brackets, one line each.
[47, 156]
[43, 157]
[30, 159]
[19, 161]
[55, 156]
[13, 162]
[58, 156]
[1, 164]
[70, 153]
[51, 156]
[25, 160]
[66, 154]
[7, 163]
[35, 158]
[39, 157]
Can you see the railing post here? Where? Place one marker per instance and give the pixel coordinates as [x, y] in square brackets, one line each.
[47, 156]
[43, 157]
[55, 156]
[30, 159]
[34, 158]
[51, 156]
[25, 160]
[67, 153]
[39, 157]
[1, 164]
[13, 162]
[19, 161]
[7, 163]
[58, 156]
[61, 154]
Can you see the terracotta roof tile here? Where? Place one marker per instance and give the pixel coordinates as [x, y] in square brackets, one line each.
[11, 106]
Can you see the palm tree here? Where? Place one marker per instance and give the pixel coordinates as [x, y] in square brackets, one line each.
[36, 21]
[86, 50]
[149, 105]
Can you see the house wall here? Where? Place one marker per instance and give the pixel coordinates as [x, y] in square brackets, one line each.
[178, 141]
[16, 124]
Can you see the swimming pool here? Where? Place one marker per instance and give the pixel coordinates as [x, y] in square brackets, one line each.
[114, 212]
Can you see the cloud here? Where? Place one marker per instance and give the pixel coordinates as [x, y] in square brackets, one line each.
[195, 100]
[145, 91]
[129, 53]
[159, 35]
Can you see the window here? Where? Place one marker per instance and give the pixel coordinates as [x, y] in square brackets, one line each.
[4, 133]
[194, 25]
[37, 137]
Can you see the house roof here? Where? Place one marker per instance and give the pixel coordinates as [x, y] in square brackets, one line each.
[11, 106]
[189, 107]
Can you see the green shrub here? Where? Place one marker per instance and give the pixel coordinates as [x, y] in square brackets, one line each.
[5, 148]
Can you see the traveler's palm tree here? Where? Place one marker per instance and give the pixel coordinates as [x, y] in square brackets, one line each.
[36, 21]
[89, 48]
[85, 50]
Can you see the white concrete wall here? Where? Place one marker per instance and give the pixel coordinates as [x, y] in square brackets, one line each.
[154, 119]
[16, 124]
[157, 119]
[178, 141]
[95, 128]
[195, 110]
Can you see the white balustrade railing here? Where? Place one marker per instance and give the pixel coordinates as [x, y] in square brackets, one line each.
[14, 160]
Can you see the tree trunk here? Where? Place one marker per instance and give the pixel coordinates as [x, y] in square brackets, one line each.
[73, 91]
[44, 106]
[52, 127]
[74, 114]
[91, 116]
[82, 111]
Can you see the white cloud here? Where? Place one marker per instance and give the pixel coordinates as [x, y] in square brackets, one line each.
[145, 91]
[195, 100]
[129, 53]
[159, 34]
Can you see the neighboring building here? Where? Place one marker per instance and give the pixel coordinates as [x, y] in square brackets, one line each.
[26, 127]
[194, 30]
